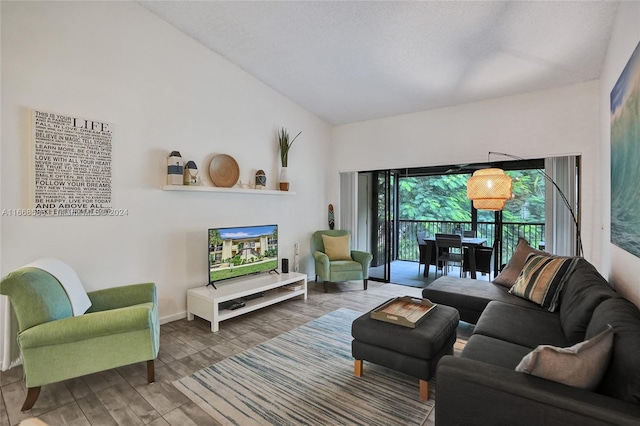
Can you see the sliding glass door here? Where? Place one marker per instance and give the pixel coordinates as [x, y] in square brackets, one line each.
[393, 206]
[383, 228]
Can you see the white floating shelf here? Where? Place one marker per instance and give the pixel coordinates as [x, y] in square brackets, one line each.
[193, 188]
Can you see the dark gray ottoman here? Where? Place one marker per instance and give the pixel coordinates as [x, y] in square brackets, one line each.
[413, 351]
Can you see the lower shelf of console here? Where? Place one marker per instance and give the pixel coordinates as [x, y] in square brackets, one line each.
[204, 302]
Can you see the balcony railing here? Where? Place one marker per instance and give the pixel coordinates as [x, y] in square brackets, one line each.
[408, 244]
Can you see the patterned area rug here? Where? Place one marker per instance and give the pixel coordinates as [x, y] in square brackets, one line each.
[305, 377]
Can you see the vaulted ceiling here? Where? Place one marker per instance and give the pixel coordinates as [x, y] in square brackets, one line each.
[351, 61]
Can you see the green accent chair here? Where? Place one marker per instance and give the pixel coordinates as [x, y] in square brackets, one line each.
[121, 327]
[340, 270]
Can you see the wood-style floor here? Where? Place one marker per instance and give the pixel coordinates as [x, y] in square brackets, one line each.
[122, 396]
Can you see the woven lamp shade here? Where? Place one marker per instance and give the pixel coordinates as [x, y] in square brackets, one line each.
[489, 189]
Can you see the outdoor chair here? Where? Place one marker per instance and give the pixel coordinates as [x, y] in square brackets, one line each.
[449, 249]
[483, 258]
[422, 250]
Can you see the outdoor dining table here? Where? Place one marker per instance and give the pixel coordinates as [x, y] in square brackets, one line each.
[468, 242]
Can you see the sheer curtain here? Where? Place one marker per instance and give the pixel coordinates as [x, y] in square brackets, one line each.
[560, 228]
[348, 209]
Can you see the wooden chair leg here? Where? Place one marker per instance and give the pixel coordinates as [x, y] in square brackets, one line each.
[424, 390]
[32, 397]
[366, 282]
[357, 368]
[151, 371]
[326, 289]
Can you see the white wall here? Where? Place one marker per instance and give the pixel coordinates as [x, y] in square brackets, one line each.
[539, 124]
[163, 91]
[621, 267]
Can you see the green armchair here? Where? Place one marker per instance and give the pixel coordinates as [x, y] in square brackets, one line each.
[121, 327]
[353, 266]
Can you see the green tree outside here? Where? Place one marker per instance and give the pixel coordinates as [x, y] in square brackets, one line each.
[444, 198]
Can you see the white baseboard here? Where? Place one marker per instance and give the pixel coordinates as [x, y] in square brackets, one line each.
[174, 317]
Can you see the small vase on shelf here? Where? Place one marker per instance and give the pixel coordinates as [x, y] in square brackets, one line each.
[284, 179]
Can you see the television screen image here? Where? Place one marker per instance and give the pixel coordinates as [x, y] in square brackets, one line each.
[234, 252]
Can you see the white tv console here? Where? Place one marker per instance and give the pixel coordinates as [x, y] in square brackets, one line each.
[204, 301]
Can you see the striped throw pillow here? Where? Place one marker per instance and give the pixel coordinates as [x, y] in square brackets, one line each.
[542, 279]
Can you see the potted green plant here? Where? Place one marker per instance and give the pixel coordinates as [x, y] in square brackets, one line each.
[284, 145]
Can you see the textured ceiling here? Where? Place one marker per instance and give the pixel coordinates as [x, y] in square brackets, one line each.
[354, 61]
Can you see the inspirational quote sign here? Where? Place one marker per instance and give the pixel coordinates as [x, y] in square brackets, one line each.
[72, 165]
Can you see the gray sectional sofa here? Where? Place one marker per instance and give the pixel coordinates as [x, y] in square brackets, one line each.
[482, 386]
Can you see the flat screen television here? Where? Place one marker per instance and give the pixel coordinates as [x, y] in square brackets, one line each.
[245, 250]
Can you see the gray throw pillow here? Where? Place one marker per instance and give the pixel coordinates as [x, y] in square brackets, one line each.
[509, 274]
[582, 365]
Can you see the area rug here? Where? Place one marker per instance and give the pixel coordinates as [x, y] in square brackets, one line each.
[305, 377]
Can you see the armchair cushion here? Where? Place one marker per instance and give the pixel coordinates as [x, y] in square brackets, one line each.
[337, 248]
[88, 326]
[345, 266]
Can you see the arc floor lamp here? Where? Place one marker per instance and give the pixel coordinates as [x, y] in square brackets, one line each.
[491, 188]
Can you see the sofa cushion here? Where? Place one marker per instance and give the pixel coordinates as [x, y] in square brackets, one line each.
[582, 293]
[542, 279]
[494, 351]
[581, 365]
[510, 272]
[521, 325]
[337, 248]
[622, 379]
[469, 296]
